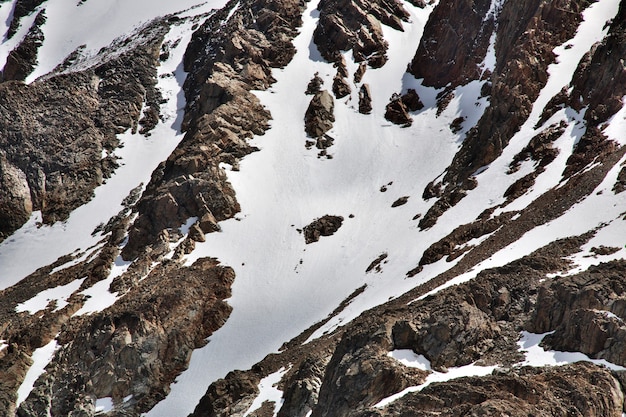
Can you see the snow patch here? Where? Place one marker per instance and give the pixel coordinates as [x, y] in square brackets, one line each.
[58, 294]
[535, 355]
[411, 359]
[104, 405]
[99, 296]
[269, 392]
[453, 373]
[41, 358]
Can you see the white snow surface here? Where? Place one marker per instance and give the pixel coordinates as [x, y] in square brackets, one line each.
[58, 294]
[411, 359]
[104, 405]
[41, 358]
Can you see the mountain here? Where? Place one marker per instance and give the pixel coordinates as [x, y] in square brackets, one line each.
[310, 209]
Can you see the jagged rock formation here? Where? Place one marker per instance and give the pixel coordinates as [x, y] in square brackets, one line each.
[56, 130]
[519, 75]
[324, 226]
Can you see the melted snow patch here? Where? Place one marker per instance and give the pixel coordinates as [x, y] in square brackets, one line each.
[41, 358]
[269, 392]
[58, 294]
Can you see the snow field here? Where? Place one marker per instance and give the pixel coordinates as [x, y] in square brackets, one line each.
[58, 294]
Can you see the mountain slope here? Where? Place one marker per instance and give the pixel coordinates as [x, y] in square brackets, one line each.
[500, 169]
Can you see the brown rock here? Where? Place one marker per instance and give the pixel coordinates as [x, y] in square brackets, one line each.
[319, 116]
[324, 226]
[365, 99]
[396, 112]
[341, 88]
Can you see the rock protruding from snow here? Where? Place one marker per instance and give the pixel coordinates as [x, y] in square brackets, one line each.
[22, 60]
[320, 115]
[399, 107]
[365, 99]
[324, 226]
[356, 25]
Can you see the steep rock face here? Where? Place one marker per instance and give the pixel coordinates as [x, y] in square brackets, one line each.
[55, 130]
[225, 60]
[526, 33]
[138, 346]
[355, 25]
[21, 60]
[444, 56]
[15, 197]
[580, 389]
[586, 312]
[21, 9]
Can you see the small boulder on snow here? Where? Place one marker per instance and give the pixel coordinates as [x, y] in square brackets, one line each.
[319, 116]
[324, 226]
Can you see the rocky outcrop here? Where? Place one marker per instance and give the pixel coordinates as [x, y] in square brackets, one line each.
[586, 312]
[356, 25]
[526, 34]
[444, 56]
[579, 389]
[365, 99]
[320, 115]
[225, 60]
[397, 111]
[324, 226]
[136, 347]
[22, 60]
[55, 130]
[21, 9]
[14, 198]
